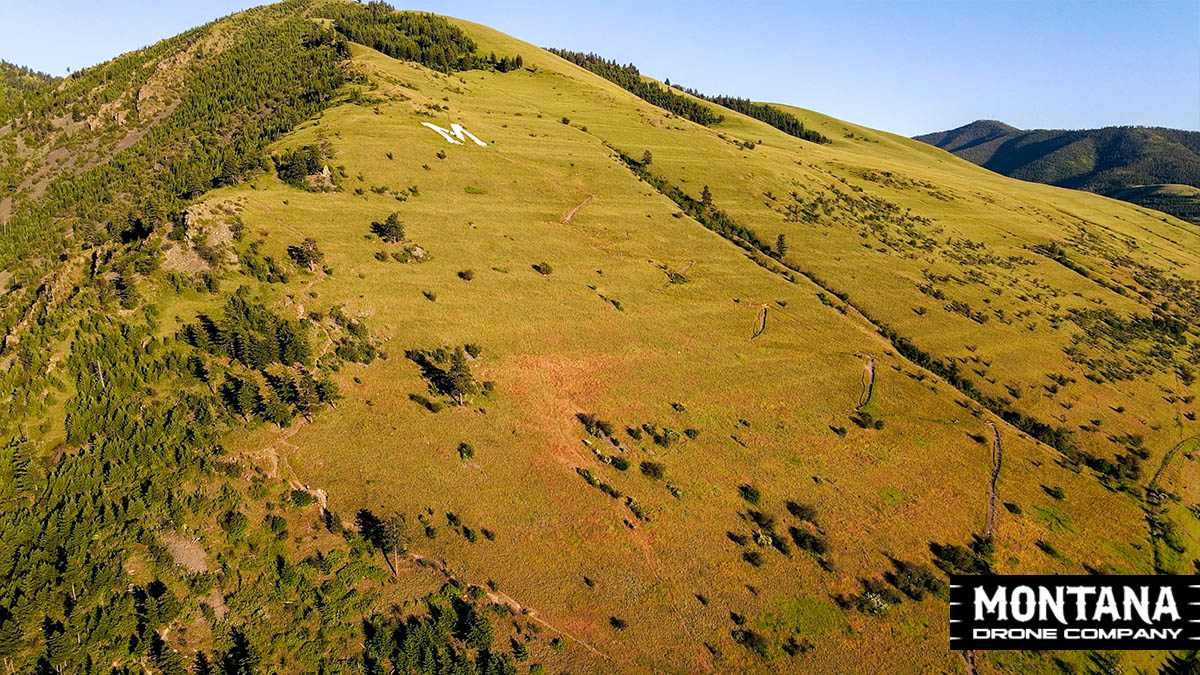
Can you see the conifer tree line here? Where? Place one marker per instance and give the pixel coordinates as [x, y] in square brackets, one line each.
[251, 334]
[630, 79]
[412, 36]
[294, 165]
[783, 121]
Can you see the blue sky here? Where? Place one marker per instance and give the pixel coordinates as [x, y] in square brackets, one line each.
[909, 67]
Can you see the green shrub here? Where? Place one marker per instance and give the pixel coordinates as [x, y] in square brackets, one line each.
[653, 470]
[749, 493]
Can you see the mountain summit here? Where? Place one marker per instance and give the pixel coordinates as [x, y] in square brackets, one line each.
[342, 339]
[979, 131]
[1150, 166]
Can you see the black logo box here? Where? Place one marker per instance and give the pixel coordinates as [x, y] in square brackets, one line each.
[981, 626]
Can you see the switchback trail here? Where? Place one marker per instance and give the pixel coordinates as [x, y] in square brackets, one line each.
[762, 323]
[997, 460]
[1166, 460]
[869, 382]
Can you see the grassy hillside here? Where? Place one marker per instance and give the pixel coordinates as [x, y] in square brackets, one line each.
[1127, 163]
[541, 401]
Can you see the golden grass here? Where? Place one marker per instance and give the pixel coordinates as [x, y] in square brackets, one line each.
[556, 348]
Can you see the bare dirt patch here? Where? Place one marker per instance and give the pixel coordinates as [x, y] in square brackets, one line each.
[187, 553]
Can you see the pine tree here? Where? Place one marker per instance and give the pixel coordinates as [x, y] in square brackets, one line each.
[245, 397]
[647, 158]
[706, 198]
[781, 246]
[327, 391]
[459, 379]
[392, 539]
[390, 230]
[307, 253]
[305, 392]
[273, 409]
[480, 632]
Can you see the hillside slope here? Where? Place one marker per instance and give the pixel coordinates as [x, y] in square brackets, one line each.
[379, 396]
[1110, 161]
[17, 80]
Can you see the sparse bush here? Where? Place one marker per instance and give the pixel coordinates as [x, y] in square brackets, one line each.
[653, 470]
[807, 541]
[595, 426]
[753, 641]
[793, 647]
[802, 511]
[955, 559]
[431, 406]
[915, 580]
[302, 498]
[749, 493]
[763, 520]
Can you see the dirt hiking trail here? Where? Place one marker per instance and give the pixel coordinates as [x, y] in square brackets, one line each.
[868, 382]
[571, 214]
[997, 460]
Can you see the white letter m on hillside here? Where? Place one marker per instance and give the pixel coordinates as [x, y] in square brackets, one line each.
[458, 132]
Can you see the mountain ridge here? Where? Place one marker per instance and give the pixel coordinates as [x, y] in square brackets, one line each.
[1108, 161]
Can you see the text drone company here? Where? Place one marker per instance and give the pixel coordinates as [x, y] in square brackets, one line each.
[1073, 612]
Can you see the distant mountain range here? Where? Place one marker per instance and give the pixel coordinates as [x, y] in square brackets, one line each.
[1150, 166]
